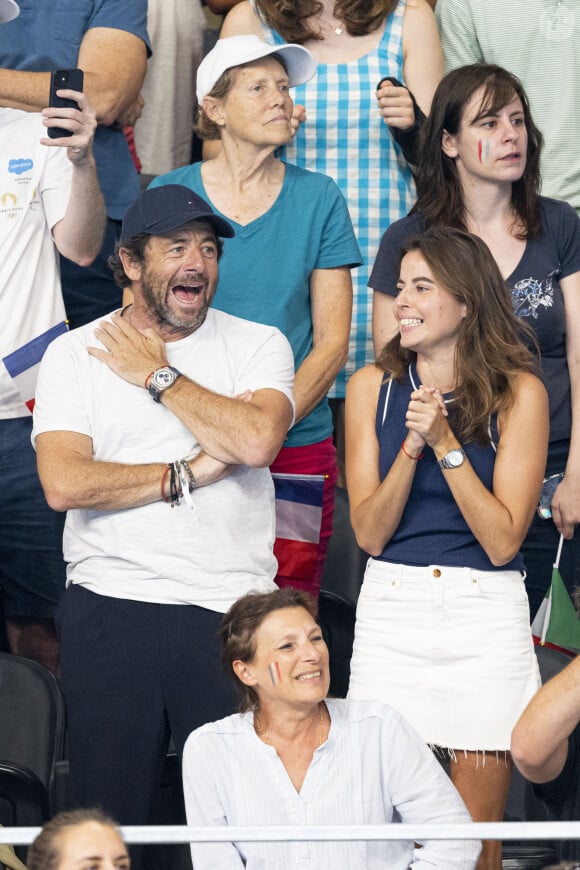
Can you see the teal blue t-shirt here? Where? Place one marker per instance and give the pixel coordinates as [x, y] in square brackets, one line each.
[265, 270]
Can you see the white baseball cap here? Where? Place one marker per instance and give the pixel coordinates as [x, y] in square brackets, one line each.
[9, 9]
[237, 50]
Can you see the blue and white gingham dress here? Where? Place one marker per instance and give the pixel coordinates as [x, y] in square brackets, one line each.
[346, 138]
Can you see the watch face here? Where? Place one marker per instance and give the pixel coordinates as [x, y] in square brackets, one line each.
[163, 378]
[454, 458]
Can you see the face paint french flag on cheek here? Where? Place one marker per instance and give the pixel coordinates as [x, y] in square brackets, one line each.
[274, 669]
[483, 150]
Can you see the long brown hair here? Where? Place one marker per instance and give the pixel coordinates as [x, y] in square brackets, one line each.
[439, 191]
[290, 19]
[489, 351]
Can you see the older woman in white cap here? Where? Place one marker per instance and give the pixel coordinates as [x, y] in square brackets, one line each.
[289, 263]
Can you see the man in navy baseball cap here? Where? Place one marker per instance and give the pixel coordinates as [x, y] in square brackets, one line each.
[154, 430]
[166, 208]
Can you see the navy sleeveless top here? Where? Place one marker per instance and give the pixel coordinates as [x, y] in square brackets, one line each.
[432, 530]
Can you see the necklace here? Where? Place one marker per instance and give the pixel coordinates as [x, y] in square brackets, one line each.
[331, 27]
[128, 308]
[415, 386]
[263, 734]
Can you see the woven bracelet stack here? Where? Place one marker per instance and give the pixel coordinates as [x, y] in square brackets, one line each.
[181, 482]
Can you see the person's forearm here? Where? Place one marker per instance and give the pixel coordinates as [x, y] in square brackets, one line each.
[207, 470]
[231, 431]
[73, 480]
[331, 308]
[540, 738]
[112, 105]
[114, 62]
[83, 483]
[315, 376]
[28, 91]
[376, 518]
[80, 233]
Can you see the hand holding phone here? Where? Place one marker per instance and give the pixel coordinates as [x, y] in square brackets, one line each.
[549, 487]
[63, 79]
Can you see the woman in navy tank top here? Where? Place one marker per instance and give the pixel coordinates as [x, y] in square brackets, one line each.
[446, 448]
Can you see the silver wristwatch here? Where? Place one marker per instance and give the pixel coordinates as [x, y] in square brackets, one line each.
[453, 459]
[161, 379]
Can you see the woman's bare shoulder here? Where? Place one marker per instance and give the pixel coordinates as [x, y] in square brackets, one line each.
[365, 380]
[528, 385]
[241, 19]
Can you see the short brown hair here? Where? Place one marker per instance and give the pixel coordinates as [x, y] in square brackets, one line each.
[239, 625]
[43, 853]
[136, 247]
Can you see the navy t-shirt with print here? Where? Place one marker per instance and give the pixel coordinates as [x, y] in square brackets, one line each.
[536, 292]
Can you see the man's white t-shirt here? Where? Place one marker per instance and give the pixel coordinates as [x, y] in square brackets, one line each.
[155, 553]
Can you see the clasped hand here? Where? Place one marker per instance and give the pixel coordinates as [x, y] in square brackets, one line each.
[426, 417]
[131, 354]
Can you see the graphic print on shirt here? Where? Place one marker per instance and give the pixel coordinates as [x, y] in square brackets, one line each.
[530, 294]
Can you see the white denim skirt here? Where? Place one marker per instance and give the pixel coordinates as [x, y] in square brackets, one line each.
[450, 648]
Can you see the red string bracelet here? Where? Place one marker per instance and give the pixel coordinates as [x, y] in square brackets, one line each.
[148, 378]
[163, 479]
[414, 458]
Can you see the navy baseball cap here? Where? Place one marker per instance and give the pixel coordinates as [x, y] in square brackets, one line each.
[162, 209]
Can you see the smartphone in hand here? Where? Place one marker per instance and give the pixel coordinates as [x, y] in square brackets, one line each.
[549, 487]
[71, 79]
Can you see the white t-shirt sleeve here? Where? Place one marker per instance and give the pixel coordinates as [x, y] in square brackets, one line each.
[59, 403]
[271, 367]
[56, 185]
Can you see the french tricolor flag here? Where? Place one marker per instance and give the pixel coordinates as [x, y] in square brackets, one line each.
[298, 521]
[23, 363]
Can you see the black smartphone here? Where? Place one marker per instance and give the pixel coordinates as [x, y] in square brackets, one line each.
[63, 78]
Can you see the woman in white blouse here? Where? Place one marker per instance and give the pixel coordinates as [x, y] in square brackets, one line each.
[294, 757]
